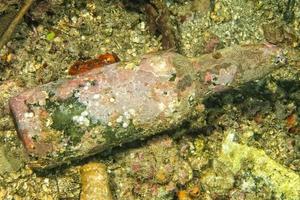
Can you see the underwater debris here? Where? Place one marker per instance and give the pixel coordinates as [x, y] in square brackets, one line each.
[80, 67]
[108, 106]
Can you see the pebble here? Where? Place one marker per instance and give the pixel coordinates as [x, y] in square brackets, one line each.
[95, 182]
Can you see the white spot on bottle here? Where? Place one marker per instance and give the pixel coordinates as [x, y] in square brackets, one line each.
[125, 125]
[96, 96]
[112, 99]
[119, 119]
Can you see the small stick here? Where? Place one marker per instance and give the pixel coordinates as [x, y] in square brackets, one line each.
[12, 26]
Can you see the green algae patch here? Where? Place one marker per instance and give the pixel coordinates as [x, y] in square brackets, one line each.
[182, 65]
[62, 116]
[283, 181]
[50, 36]
[115, 135]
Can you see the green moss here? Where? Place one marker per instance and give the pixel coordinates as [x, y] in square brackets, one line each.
[183, 66]
[62, 114]
[118, 134]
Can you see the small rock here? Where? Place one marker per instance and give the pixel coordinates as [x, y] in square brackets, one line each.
[95, 183]
[277, 34]
[220, 12]
[219, 179]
